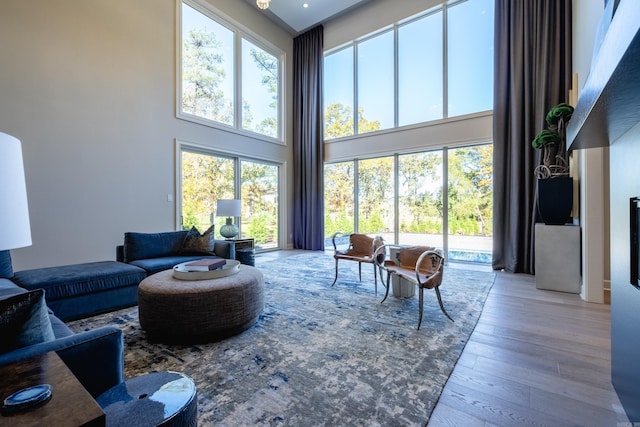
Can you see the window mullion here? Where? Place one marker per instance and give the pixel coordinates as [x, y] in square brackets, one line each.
[445, 68]
[445, 202]
[395, 77]
[237, 75]
[356, 201]
[355, 89]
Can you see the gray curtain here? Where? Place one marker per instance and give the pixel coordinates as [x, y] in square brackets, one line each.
[532, 73]
[308, 150]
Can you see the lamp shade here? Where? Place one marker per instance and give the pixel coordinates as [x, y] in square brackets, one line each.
[228, 208]
[15, 230]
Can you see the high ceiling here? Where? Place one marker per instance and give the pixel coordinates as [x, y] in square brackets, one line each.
[294, 17]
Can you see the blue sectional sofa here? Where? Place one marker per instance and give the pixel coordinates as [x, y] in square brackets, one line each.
[155, 252]
[95, 357]
[34, 303]
[82, 290]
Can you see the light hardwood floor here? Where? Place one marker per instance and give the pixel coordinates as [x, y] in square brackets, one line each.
[535, 358]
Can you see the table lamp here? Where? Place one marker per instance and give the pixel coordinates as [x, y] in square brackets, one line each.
[15, 230]
[230, 209]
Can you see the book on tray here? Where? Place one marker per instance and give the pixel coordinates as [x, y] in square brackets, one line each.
[205, 264]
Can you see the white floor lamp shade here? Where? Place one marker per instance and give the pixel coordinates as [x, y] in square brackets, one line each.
[15, 230]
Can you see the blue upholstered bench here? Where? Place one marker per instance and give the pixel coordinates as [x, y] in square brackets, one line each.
[82, 290]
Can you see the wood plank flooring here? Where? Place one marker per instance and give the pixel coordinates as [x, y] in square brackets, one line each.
[536, 358]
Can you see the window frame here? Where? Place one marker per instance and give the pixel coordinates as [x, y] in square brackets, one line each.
[192, 147]
[440, 8]
[240, 33]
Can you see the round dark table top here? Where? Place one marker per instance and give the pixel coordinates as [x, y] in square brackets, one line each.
[155, 399]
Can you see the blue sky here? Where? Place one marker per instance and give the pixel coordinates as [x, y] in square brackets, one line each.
[470, 67]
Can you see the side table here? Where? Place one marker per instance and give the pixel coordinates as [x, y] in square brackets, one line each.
[245, 251]
[70, 403]
[155, 399]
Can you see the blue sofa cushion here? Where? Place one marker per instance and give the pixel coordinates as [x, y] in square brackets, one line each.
[152, 245]
[79, 279]
[24, 321]
[6, 268]
[156, 265]
[8, 288]
[197, 244]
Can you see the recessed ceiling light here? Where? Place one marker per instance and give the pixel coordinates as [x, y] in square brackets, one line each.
[305, 5]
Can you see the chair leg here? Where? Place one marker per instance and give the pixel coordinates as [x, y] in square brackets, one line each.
[336, 279]
[420, 309]
[375, 278]
[386, 294]
[440, 302]
[360, 271]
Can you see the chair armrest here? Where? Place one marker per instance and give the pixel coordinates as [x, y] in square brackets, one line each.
[336, 235]
[95, 357]
[430, 255]
[380, 255]
[225, 249]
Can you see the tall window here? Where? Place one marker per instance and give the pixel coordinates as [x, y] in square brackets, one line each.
[443, 198]
[420, 70]
[260, 101]
[435, 65]
[227, 79]
[338, 97]
[375, 100]
[420, 198]
[375, 195]
[206, 177]
[470, 201]
[339, 198]
[259, 195]
[470, 57]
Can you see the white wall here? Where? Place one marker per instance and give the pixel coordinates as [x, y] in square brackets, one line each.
[592, 165]
[89, 89]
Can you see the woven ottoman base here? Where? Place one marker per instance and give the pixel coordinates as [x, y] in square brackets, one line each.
[198, 311]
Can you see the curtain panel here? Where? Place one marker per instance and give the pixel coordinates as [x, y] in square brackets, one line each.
[308, 148]
[532, 73]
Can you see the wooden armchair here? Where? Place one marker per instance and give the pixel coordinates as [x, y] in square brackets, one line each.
[361, 249]
[422, 265]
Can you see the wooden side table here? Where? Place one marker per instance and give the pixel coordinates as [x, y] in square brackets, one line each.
[245, 251]
[70, 403]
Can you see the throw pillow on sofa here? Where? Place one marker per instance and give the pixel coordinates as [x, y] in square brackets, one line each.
[6, 268]
[196, 243]
[24, 321]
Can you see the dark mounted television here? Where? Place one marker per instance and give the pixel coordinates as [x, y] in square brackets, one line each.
[634, 241]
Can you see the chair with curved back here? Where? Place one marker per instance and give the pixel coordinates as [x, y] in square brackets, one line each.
[361, 249]
[421, 265]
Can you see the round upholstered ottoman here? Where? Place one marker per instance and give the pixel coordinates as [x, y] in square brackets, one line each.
[196, 311]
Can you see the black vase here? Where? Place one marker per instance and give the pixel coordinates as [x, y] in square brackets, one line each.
[555, 200]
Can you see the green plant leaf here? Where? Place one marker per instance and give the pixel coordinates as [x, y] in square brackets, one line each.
[545, 138]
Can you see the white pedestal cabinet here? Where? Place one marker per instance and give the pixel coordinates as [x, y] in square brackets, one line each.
[557, 258]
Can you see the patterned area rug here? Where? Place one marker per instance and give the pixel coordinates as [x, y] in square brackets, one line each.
[321, 355]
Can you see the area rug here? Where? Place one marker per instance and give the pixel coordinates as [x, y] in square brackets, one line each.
[321, 355]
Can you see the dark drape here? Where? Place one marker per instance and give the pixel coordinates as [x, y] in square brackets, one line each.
[308, 150]
[532, 73]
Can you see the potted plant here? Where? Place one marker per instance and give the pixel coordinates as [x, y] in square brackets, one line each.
[555, 186]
